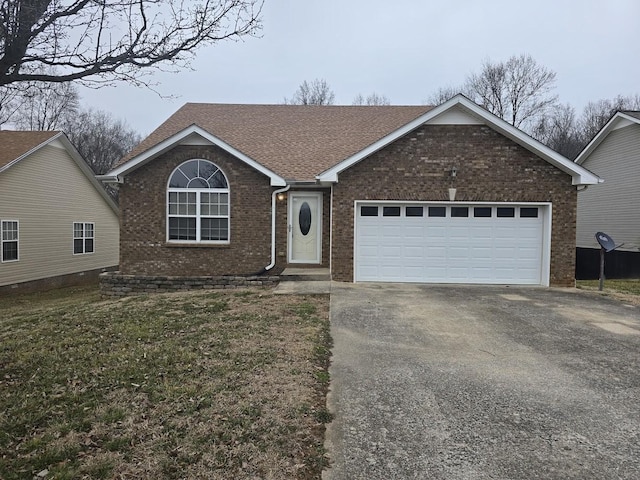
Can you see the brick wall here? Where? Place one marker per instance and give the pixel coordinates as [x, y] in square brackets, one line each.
[143, 245]
[490, 168]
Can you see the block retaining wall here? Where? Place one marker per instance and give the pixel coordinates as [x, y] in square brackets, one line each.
[114, 284]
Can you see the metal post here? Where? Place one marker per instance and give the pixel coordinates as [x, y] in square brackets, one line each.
[601, 284]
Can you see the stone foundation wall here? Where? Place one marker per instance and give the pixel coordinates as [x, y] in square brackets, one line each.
[114, 284]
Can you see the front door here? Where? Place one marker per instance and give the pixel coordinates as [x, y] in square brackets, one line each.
[305, 227]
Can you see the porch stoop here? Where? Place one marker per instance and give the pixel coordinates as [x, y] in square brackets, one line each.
[305, 275]
[304, 281]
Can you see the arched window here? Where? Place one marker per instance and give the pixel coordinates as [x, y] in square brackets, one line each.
[198, 203]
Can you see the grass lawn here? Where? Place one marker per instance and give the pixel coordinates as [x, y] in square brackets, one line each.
[628, 289]
[215, 385]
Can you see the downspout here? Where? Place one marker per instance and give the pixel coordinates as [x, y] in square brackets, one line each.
[273, 229]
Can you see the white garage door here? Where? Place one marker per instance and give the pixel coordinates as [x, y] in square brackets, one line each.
[461, 243]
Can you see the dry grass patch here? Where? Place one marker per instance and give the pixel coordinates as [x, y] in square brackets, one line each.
[190, 385]
[627, 290]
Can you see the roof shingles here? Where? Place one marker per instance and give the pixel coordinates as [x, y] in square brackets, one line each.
[296, 142]
[14, 144]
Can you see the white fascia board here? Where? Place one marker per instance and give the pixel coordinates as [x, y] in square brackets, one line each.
[580, 175]
[602, 134]
[167, 144]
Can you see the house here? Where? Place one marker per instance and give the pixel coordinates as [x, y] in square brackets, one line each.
[447, 194]
[613, 207]
[58, 225]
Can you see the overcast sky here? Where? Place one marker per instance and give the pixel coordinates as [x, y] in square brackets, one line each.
[404, 49]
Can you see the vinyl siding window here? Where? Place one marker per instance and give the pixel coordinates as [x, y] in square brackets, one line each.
[9, 240]
[198, 208]
[83, 238]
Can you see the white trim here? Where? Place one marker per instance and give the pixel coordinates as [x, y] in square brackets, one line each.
[546, 244]
[17, 240]
[546, 207]
[612, 124]
[158, 149]
[580, 175]
[319, 197]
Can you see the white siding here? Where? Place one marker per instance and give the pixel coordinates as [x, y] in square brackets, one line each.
[47, 192]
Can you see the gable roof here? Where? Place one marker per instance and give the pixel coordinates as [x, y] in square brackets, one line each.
[15, 146]
[294, 142]
[632, 113]
[462, 105]
[315, 143]
[618, 120]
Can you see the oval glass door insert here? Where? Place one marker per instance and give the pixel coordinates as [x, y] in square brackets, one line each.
[304, 218]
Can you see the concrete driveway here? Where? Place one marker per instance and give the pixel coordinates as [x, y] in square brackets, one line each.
[451, 382]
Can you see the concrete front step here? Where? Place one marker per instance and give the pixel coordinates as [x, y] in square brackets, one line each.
[305, 275]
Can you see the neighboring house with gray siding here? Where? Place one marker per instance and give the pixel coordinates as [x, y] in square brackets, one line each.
[614, 206]
[57, 224]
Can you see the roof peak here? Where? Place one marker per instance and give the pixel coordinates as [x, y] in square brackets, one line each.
[286, 105]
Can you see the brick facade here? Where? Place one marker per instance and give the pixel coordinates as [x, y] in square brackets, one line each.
[144, 249]
[490, 168]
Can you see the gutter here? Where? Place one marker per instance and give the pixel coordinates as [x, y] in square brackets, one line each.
[273, 229]
[109, 178]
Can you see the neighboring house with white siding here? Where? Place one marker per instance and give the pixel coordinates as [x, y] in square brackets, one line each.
[614, 206]
[58, 225]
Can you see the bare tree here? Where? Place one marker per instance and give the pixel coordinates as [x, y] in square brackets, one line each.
[371, 99]
[317, 92]
[518, 90]
[45, 106]
[101, 139]
[558, 131]
[443, 94]
[596, 114]
[9, 103]
[108, 40]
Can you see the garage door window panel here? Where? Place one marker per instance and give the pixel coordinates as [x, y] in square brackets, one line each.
[459, 212]
[528, 212]
[506, 212]
[414, 211]
[368, 211]
[391, 211]
[437, 211]
[482, 212]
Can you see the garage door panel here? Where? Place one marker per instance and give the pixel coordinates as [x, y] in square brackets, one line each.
[450, 250]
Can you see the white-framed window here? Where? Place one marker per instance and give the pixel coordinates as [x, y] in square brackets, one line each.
[83, 238]
[9, 241]
[198, 204]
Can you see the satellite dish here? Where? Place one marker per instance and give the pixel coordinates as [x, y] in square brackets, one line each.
[605, 241]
